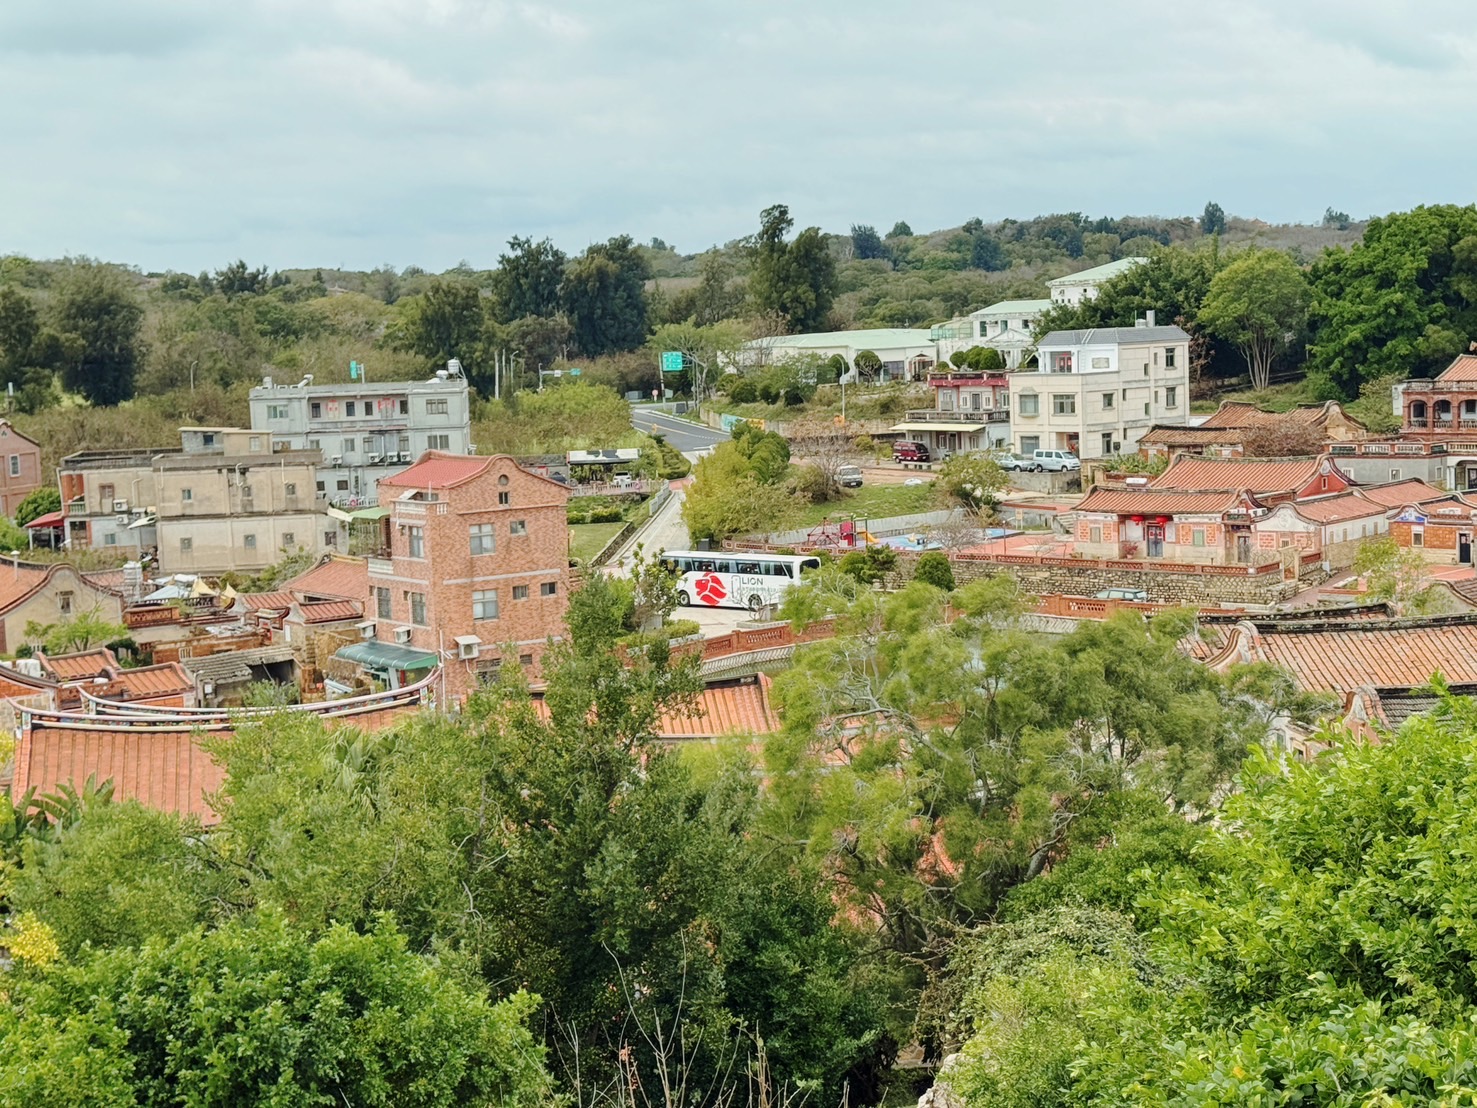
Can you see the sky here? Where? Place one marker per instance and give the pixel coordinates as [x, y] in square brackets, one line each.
[182, 134]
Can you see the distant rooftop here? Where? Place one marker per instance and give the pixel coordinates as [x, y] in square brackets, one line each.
[1113, 336]
[354, 388]
[882, 338]
[1097, 273]
[1012, 307]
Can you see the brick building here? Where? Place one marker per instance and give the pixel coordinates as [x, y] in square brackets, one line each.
[20, 468]
[476, 572]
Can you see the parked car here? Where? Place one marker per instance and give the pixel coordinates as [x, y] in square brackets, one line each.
[1122, 594]
[1056, 461]
[907, 451]
[849, 477]
[1008, 461]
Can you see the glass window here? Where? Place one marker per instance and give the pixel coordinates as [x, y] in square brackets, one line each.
[438, 442]
[1107, 442]
[330, 538]
[187, 494]
[1094, 534]
[110, 539]
[1197, 536]
[404, 405]
[290, 489]
[1030, 404]
[436, 407]
[342, 484]
[548, 588]
[1171, 397]
[348, 446]
[1030, 444]
[518, 527]
[105, 494]
[348, 407]
[1063, 404]
[1061, 363]
[483, 541]
[315, 409]
[484, 604]
[1417, 537]
[64, 603]
[15, 465]
[186, 545]
[750, 568]
[1108, 398]
[1169, 357]
[418, 608]
[250, 542]
[382, 603]
[525, 659]
[503, 499]
[520, 592]
[288, 538]
[416, 541]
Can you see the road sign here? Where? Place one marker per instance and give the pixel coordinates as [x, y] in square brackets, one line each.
[353, 371]
[672, 361]
[575, 371]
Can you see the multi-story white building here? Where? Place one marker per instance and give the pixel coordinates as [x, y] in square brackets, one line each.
[1084, 285]
[365, 431]
[1008, 326]
[1096, 391]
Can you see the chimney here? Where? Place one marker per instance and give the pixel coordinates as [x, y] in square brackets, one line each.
[1149, 315]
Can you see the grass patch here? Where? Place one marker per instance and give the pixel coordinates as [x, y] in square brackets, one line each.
[588, 539]
[870, 502]
[1277, 398]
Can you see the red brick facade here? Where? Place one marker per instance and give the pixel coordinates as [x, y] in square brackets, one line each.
[20, 468]
[478, 547]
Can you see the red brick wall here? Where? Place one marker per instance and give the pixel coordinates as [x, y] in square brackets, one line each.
[14, 489]
[448, 574]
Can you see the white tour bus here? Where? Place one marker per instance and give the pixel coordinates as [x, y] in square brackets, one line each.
[728, 579]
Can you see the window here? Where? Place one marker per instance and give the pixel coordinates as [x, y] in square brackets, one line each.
[1156, 357]
[1146, 369]
[418, 608]
[483, 541]
[341, 485]
[1100, 363]
[208, 440]
[502, 480]
[187, 495]
[1030, 404]
[1146, 407]
[382, 603]
[504, 499]
[484, 604]
[348, 407]
[348, 446]
[1107, 442]
[518, 527]
[1417, 536]
[984, 329]
[416, 537]
[105, 494]
[290, 489]
[15, 465]
[1063, 404]
[525, 659]
[315, 444]
[405, 405]
[64, 603]
[1108, 398]
[288, 539]
[438, 442]
[1030, 444]
[1169, 357]
[186, 545]
[276, 411]
[249, 541]
[330, 538]
[1197, 536]
[436, 407]
[368, 445]
[318, 487]
[404, 444]
[1061, 363]
[1171, 397]
[520, 592]
[549, 588]
[245, 492]
[110, 539]
[1094, 534]
[315, 409]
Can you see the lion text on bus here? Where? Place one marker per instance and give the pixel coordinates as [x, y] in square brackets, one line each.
[712, 579]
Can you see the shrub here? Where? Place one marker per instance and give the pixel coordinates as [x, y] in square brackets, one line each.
[743, 390]
[934, 569]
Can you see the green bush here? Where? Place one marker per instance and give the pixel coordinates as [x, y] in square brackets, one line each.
[742, 390]
[934, 569]
[870, 565]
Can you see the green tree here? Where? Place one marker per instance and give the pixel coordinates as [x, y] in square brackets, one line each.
[934, 569]
[795, 281]
[528, 279]
[96, 306]
[731, 496]
[75, 632]
[604, 296]
[37, 504]
[867, 364]
[866, 243]
[449, 320]
[985, 252]
[1213, 219]
[1395, 574]
[1260, 303]
[239, 280]
[900, 230]
[1403, 300]
[984, 359]
[1336, 219]
[29, 353]
[971, 481]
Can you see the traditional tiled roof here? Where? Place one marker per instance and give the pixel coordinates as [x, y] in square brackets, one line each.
[726, 710]
[1463, 368]
[267, 601]
[147, 682]
[335, 577]
[82, 665]
[160, 768]
[438, 470]
[1192, 436]
[1397, 494]
[332, 611]
[1167, 502]
[21, 580]
[1257, 475]
[1239, 414]
[1394, 706]
[1337, 509]
[1342, 655]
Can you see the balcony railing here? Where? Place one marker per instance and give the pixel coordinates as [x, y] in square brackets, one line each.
[349, 503]
[967, 377]
[963, 415]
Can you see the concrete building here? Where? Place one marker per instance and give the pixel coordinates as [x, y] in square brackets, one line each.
[227, 499]
[20, 468]
[366, 432]
[907, 353]
[1008, 326]
[46, 594]
[1084, 284]
[971, 412]
[1095, 392]
[476, 574]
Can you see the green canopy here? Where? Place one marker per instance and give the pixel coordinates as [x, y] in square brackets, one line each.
[385, 656]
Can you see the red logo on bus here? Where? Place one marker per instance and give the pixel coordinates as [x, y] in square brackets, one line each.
[709, 589]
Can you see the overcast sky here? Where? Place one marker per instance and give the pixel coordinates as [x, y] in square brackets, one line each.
[185, 133]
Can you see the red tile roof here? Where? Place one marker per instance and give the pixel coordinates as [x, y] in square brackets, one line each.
[21, 580]
[1397, 494]
[1238, 413]
[50, 519]
[335, 577]
[145, 682]
[438, 470]
[267, 601]
[1342, 655]
[1167, 502]
[1257, 475]
[723, 711]
[80, 666]
[160, 767]
[1464, 368]
[1337, 509]
[1192, 436]
[332, 611]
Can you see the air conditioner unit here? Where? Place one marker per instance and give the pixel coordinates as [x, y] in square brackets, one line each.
[404, 455]
[402, 634]
[366, 629]
[121, 520]
[467, 646]
[337, 459]
[120, 505]
[376, 459]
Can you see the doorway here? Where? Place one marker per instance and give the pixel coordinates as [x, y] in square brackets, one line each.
[1464, 548]
[1243, 547]
[1154, 540]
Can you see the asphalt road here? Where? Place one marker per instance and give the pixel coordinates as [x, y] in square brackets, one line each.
[688, 437]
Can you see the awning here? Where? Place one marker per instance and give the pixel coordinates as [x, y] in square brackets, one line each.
[973, 428]
[357, 514]
[142, 521]
[50, 519]
[385, 656]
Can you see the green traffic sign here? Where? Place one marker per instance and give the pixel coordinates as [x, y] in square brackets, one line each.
[672, 361]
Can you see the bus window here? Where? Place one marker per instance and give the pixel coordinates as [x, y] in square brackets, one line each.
[705, 565]
[749, 567]
[778, 569]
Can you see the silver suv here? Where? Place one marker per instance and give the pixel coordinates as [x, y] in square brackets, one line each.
[1055, 461]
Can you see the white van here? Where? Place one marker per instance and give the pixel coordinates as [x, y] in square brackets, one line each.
[1055, 461]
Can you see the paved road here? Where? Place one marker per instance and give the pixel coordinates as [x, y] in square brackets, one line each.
[688, 437]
